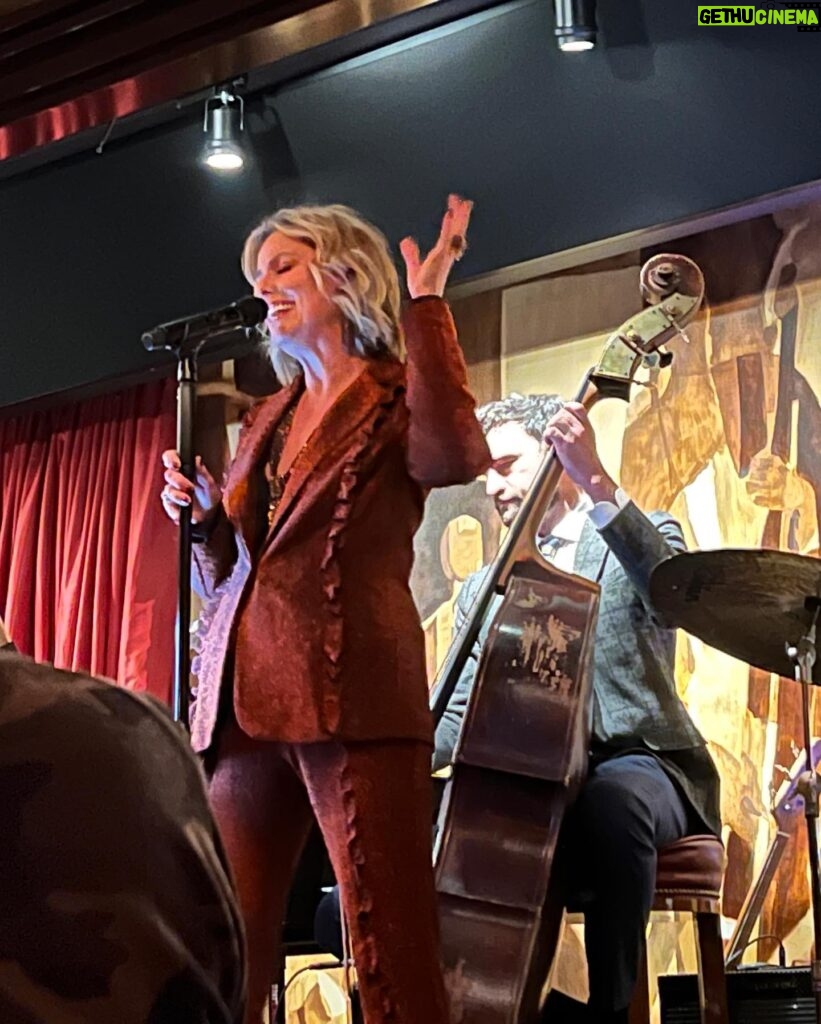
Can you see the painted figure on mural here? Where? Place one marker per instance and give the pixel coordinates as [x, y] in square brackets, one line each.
[460, 553]
[651, 779]
[730, 444]
[459, 532]
[311, 694]
[785, 483]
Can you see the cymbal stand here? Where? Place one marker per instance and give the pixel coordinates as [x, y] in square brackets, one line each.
[803, 655]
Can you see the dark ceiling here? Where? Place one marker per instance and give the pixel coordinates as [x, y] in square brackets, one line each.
[72, 66]
[663, 121]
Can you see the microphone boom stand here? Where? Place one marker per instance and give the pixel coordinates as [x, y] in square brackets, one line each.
[185, 338]
[187, 354]
[186, 409]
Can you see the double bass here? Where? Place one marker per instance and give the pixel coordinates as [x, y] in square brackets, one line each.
[522, 752]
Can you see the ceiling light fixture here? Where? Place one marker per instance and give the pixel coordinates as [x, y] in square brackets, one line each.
[575, 29]
[223, 124]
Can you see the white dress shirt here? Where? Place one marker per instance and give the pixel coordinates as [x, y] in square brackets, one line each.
[559, 546]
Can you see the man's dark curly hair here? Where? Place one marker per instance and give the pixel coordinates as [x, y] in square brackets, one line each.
[533, 412]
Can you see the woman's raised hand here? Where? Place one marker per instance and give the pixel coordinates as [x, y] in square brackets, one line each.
[203, 496]
[429, 276]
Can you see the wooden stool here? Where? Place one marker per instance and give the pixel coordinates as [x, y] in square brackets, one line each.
[688, 878]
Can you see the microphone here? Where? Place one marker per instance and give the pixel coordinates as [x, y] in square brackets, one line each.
[191, 331]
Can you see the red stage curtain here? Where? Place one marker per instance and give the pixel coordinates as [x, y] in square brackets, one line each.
[87, 557]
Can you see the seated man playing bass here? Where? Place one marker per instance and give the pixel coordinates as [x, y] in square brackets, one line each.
[651, 780]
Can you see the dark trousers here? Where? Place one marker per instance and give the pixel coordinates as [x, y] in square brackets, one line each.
[626, 811]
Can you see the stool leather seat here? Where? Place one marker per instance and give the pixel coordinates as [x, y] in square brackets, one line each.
[693, 866]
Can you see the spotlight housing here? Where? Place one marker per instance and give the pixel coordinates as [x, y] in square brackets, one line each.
[575, 28]
[223, 124]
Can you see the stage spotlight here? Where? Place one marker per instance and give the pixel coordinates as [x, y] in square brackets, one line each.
[223, 124]
[575, 25]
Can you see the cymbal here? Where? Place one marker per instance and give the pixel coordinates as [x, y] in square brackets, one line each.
[747, 603]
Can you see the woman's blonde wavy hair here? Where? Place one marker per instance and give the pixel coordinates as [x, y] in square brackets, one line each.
[355, 256]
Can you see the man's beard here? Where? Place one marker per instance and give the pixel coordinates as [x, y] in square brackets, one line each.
[508, 511]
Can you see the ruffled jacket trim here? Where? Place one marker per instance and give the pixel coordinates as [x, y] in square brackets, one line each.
[330, 568]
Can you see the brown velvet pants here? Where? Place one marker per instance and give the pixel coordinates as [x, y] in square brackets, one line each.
[373, 804]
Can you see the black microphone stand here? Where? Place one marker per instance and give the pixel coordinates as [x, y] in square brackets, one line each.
[186, 352]
[185, 338]
[186, 409]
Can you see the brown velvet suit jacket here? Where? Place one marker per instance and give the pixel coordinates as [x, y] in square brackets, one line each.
[325, 635]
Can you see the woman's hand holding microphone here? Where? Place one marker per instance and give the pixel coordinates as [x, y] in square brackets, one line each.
[204, 496]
